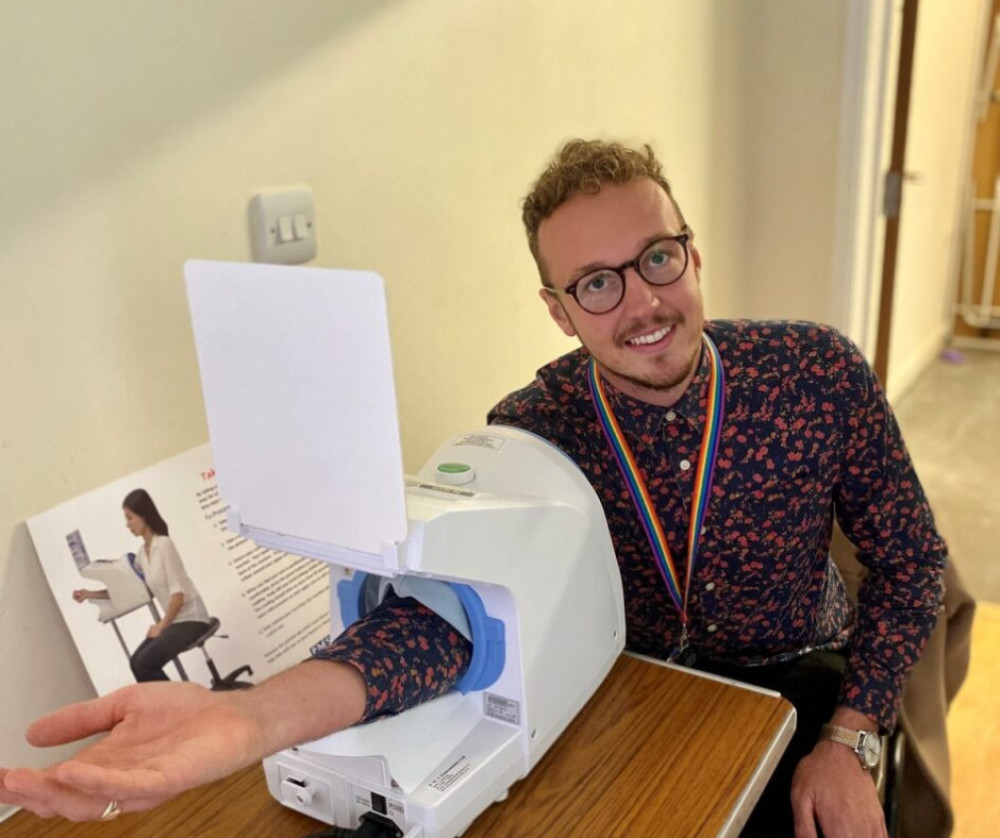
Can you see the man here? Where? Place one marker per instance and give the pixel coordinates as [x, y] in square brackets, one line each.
[767, 430]
[740, 442]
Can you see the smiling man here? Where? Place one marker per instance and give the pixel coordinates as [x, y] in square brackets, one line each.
[722, 451]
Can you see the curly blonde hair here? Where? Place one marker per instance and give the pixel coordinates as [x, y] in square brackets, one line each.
[585, 166]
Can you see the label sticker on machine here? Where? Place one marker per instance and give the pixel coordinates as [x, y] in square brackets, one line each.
[502, 709]
[451, 775]
[494, 443]
[443, 490]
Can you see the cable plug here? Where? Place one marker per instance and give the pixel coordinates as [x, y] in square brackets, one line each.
[373, 825]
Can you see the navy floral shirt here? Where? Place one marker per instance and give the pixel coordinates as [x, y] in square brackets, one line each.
[807, 435]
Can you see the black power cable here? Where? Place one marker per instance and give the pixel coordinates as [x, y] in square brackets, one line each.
[372, 825]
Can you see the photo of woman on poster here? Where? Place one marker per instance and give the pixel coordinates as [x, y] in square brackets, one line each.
[185, 618]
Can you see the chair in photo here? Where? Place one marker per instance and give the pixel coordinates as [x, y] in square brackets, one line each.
[232, 680]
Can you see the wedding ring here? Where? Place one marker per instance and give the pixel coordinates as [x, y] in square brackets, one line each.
[112, 811]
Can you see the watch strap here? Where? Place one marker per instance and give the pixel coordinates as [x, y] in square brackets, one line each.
[853, 739]
[843, 735]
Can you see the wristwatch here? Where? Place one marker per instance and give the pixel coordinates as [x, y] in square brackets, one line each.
[866, 744]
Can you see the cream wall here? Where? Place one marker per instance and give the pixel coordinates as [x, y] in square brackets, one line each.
[136, 133]
[775, 154]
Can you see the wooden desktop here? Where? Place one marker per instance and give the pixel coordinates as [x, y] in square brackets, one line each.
[658, 751]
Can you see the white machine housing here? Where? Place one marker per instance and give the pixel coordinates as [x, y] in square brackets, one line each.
[529, 535]
[297, 377]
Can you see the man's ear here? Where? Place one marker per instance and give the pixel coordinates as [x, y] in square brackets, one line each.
[557, 311]
[696, 257]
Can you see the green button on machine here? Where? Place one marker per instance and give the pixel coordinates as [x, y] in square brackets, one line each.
[455, 474]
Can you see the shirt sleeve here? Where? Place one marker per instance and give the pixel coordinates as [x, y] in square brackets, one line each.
[882, 509]
[406, 653]
[537, 410]
[172, 568]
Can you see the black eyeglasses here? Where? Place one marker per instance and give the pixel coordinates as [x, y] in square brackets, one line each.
[661, 263]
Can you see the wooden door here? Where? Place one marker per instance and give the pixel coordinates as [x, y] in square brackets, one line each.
[977, 319]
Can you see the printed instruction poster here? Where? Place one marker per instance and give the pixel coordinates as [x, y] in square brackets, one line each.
[273, 606]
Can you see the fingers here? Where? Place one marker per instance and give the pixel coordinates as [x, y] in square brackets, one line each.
[11, 798]
[47, 797]
[113, 783]
[7, 796]
[77, 721]
[805, 819]
[44, 796]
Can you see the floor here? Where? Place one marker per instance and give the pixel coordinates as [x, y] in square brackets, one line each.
[951, 423]
[974, 733]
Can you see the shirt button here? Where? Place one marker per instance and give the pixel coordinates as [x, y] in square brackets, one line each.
[712, 628]
[710, 586]
[685, 465]
[671, 416]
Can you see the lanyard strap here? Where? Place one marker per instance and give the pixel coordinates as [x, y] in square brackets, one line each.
[640, 492]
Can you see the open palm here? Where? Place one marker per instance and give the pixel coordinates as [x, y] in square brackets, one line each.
[161, 739]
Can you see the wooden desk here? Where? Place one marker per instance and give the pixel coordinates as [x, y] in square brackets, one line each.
[657, 751]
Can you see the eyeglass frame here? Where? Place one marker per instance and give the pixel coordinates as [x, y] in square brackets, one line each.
[683, 237]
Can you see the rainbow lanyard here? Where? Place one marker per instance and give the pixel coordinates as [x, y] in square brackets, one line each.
[640, 493]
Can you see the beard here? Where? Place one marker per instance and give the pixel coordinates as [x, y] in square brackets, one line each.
[658, 383]
[662, 375]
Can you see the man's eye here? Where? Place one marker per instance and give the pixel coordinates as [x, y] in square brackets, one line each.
[596, 284]
[658, 258]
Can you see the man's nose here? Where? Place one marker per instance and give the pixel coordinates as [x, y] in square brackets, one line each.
[639, 294]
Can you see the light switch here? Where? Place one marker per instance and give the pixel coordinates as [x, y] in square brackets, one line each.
[300, 226]
[282, 226]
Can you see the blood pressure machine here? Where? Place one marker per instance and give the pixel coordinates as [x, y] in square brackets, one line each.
[499, 532]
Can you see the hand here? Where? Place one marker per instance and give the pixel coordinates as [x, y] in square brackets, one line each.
[831, 788]
[155, 630]
[163, 739]
[80, 595]
[166, 738]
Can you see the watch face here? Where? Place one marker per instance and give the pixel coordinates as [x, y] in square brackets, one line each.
[871, 749]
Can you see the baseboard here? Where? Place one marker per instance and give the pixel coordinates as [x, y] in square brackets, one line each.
[987, 344]
[7, 811]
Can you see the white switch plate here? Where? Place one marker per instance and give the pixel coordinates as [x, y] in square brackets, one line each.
[277, 236]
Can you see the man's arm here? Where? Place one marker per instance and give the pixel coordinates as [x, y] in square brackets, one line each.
[882, 509]
[163, 739]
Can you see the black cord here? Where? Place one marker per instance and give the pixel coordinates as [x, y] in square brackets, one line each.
[372, 825]
[332, 832]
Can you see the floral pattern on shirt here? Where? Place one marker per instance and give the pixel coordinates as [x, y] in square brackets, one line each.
[406, 653]
[807, 435]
